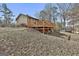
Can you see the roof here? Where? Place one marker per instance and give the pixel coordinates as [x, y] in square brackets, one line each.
[26, 16]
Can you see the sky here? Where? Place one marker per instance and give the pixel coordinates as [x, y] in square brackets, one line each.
[25, 8]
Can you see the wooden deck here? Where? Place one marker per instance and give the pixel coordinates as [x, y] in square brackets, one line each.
[30, 22]
[41, 25]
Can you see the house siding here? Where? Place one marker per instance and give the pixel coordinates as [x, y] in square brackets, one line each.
[22, 20]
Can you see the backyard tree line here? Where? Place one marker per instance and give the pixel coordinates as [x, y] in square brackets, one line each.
[58, 13]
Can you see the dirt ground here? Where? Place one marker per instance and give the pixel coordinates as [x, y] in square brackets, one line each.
[24, 42]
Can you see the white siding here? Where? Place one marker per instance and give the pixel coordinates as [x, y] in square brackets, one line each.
[22, 19]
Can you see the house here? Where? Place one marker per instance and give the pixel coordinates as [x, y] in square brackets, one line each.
[31, 22]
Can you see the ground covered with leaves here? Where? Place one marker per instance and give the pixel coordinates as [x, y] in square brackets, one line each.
[32, 43]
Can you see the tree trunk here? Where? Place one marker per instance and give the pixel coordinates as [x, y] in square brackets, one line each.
[61, 24]
[73, 28]
[64, 23]
[54, 22]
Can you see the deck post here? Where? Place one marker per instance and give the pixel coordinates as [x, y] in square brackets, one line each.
[43, 27]
[36, 25]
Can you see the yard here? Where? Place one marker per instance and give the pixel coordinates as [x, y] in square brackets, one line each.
[24, 42]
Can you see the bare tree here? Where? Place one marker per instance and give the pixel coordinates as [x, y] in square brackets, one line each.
[49, 13]
[63, 8]
[42, 15]
[73, 15]
[7, 14]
